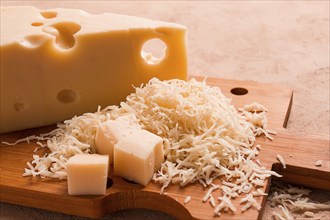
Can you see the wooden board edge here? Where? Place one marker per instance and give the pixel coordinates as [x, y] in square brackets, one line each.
[286, 119]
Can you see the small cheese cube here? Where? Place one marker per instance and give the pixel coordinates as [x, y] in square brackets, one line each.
[87, 174]
[157, 144]
[135, 153]
[138, 156]
[109, 133]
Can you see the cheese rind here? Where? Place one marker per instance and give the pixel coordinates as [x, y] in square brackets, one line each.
[62, 62]
[87, 174]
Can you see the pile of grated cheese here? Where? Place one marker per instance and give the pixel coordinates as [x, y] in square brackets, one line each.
[205, 138]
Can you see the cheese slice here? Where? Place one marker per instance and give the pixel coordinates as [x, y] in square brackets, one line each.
[87, 174]
[137, 156]
[58, 63]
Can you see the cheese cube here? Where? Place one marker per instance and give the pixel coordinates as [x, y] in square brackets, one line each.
[124, 127]
[156, 142]
[137, 156]
[87, 174]
[57, 63]
[109, 133]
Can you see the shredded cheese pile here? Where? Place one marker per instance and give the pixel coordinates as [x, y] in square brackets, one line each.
[205, 138]
[290, 200]
[74, 136]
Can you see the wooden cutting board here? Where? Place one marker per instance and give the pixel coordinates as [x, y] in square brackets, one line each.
[299, 152]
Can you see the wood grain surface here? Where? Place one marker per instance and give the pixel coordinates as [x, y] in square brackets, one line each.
[299, 152]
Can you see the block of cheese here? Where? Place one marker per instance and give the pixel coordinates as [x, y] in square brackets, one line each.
[109, 133]
[57, 63]
[87, 174]
[135, 156]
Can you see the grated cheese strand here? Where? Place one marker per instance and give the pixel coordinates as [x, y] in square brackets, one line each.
[319, 163]
[281, 160]
[291, 200]
[187, 199]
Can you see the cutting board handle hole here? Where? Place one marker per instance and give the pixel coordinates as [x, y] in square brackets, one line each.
[239, 91]
[109, 183]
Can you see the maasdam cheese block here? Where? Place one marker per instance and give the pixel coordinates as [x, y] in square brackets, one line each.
[57, 63]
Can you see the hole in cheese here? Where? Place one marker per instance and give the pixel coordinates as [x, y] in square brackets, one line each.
[64, 33]
[19, 107]
[109, 182]
[50, 30]
[153, 51]
[48, 14]
[33, 41]
[66, 96]
[36, 24]
[239, 91]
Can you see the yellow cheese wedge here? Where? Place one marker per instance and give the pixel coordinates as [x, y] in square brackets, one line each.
[59, 63]
[87, 174]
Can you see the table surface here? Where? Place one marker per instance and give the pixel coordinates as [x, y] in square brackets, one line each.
[283, 43]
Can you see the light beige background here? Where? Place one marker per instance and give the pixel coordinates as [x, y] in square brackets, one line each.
[283, 43]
